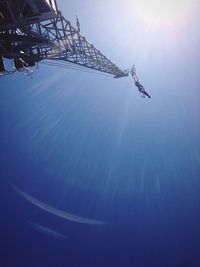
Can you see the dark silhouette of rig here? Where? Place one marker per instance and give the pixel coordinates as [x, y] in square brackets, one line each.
[32, 31]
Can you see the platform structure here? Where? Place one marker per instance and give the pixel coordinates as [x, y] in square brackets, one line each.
[35, 30]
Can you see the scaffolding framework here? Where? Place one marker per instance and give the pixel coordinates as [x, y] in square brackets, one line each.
[34, 30]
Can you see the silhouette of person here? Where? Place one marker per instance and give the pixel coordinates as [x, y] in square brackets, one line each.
[140, 87]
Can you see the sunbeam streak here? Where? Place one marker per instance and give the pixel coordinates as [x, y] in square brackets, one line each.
[47, 231]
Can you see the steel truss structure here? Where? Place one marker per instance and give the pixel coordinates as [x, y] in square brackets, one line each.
[28, 36]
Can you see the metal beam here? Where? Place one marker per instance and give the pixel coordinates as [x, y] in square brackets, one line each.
[54, 38]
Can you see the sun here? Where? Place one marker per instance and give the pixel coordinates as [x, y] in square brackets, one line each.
[163, 11]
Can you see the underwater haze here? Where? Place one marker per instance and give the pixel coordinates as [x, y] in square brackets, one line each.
[91, 173]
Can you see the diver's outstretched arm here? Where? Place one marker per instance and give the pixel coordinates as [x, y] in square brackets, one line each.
[133, 73]
[133, 70]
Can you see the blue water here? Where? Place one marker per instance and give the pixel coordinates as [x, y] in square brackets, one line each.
[109, 157]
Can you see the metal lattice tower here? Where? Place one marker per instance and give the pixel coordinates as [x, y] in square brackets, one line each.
[34, 30]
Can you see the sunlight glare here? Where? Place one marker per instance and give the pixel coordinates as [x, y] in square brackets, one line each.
[163, 12]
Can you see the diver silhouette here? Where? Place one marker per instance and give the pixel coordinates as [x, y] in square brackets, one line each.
[140, 87]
